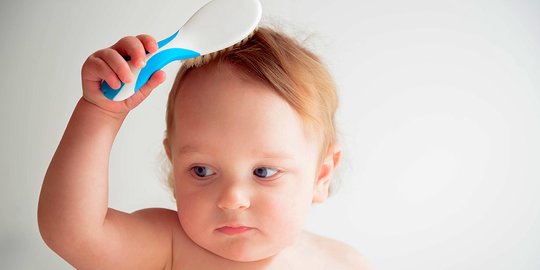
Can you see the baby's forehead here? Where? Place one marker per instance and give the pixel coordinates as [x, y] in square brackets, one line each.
[216, 82]
[218, 70]
[228, 93]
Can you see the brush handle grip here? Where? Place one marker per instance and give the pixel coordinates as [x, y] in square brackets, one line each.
[154, 62]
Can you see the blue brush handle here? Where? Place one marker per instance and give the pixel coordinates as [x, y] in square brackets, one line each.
[154, 62]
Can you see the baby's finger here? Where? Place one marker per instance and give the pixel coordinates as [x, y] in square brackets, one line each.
[148, 42]
[132, 47]
[156, 79]
[97, 70]
[117, 63]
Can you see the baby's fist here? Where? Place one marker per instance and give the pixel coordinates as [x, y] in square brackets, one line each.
[110, 65]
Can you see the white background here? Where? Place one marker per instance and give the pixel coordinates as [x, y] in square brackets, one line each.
[439, 119]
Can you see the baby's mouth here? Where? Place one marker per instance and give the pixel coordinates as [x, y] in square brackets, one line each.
[234, 230]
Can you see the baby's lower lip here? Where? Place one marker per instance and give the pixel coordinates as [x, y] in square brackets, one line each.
[228, 230]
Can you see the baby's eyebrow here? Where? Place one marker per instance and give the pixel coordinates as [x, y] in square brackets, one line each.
[274, 155]
[191, 149]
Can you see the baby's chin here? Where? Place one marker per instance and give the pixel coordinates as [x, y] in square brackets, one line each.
[247, 254]
[246, 258]
[260, 254]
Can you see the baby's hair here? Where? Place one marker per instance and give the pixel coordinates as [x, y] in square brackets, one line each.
[294, 72]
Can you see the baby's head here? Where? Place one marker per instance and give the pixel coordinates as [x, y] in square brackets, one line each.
[252, 143]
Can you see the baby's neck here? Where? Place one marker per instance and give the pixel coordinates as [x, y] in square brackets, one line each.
[288, 258]
[283, 260]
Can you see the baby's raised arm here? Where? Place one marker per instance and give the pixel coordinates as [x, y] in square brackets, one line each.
[73, 214]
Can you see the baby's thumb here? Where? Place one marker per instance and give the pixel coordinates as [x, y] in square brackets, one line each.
[155, 80]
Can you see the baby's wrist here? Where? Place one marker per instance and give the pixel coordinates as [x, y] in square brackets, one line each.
[94, 108]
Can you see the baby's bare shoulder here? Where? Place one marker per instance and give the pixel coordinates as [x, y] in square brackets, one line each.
[161, 224]
[160, 215]
[159, 220]
[336, 254]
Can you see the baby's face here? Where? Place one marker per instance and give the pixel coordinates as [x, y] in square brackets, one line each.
[244, 167]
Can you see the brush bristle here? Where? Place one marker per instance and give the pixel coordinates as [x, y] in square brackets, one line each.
[206, 58]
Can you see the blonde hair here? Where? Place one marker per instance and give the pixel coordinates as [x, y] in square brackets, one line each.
[294, 72]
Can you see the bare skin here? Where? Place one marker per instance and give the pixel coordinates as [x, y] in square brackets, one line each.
[73, 214]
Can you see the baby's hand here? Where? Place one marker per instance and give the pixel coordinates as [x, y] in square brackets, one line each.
[109, 65]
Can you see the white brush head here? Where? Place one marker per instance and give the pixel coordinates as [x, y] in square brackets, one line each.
[219, 24]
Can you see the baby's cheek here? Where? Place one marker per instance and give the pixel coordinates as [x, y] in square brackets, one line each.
[193, 211]
[285, 217]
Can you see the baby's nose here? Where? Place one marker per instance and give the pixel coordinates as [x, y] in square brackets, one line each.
[234, 197]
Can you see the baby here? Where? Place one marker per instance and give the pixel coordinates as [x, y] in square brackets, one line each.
[251, 142]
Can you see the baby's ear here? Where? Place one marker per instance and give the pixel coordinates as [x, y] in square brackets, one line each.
[167, 147]
[324, 177]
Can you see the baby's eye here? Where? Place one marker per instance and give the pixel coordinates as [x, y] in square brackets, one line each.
[202, 171]
[264, 172]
